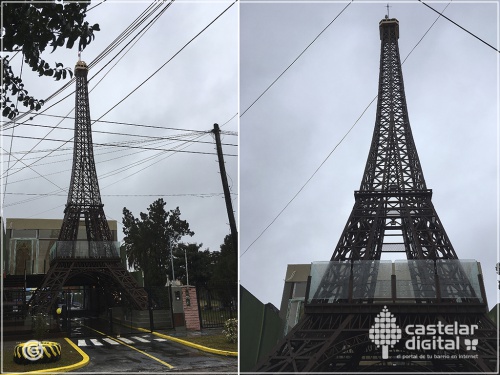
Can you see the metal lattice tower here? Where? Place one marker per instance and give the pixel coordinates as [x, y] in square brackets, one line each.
[84, 198]
[95, 256]
[393, 212]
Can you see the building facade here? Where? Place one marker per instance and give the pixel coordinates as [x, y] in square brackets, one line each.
[29, 241]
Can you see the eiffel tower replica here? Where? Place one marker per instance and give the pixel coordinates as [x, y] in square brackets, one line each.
[96, 256]
[426, 313]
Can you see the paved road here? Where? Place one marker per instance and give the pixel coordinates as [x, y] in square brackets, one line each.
[142, 352]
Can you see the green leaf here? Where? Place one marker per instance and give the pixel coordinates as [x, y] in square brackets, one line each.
[70, 42]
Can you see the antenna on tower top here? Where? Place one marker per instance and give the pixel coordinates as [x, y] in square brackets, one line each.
[79, 54]
[387, 15]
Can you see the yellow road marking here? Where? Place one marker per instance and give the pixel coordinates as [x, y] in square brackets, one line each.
[188, 343]
[131, 347]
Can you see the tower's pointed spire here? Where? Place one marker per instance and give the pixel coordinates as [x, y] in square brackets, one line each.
[393, 210]
[92, 255]
[84, 197]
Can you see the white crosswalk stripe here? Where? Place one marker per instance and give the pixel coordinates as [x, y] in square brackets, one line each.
[96, 342]
[140, 339]
[111, 341]
[125, 340]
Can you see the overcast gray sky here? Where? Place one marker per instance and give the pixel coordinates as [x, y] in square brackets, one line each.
[196, 89]
[451, 84]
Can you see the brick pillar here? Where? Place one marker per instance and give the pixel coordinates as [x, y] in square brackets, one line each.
[190, 305]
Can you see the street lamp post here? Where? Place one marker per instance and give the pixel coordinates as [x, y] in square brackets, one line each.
[187, 274]
[172, 259]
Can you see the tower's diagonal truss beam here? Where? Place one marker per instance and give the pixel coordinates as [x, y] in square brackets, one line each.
[99, 258]
[393, 212]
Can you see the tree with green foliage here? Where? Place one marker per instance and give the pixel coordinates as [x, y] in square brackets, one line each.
[206, 267]
[30, 27]
[148, 239]
[200, 264]
[226, 267]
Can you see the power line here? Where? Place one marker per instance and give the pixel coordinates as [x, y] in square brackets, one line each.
[293, 62]
[199, 33]
[198, 195]
[161, 67]
[117, 145]
[150, 165]
[95, 6]
[128, 166]
[138, 125]
[128, 134]
[106, 51]
[150, 10]
[310, 178]
[12, 139]
[456, 24]
[331, 152]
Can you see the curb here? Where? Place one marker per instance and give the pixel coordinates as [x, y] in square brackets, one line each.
[83, 362]
[192, 345]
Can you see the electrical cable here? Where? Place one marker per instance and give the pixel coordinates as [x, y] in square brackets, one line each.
[12, 139]
[140, 125]
[161, 67]
[456, 24]
[293, 62]
[95, 6]
[331, 152]
[124, 34]
[123, 134]
[231, 133]
[199, 195]
[114, 145]
[120, 38]
[189, 42]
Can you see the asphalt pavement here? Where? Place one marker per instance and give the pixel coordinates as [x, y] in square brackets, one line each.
[136, 351]
[148, 353]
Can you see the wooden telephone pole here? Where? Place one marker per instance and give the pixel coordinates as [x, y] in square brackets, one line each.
[225, 187]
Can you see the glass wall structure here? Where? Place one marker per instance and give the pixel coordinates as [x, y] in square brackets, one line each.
[454, 281]
[29, 242]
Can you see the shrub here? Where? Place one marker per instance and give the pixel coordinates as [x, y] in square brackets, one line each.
[231, 330]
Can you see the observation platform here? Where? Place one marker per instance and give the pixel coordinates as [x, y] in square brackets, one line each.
[339, 285]
[85, 250]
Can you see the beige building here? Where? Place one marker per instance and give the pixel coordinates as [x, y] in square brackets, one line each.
[28, 242]
[294, 293]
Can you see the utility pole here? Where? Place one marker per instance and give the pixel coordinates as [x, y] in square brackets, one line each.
[225, 187]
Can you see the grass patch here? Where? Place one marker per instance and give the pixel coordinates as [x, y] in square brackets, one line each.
[69, 356]
[213, 341]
